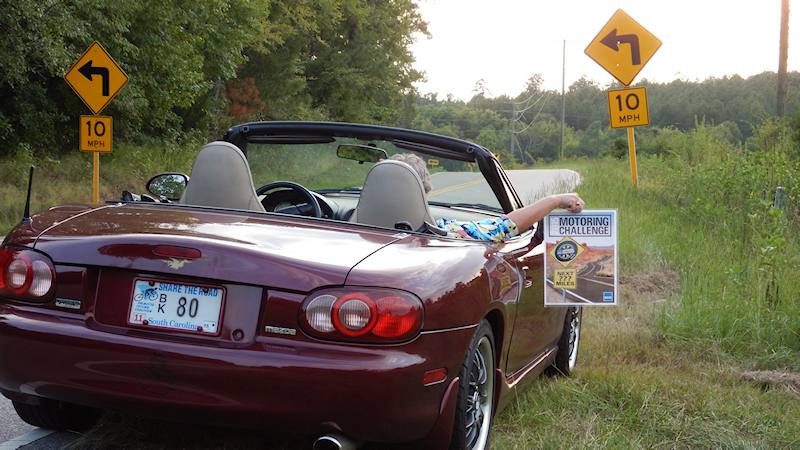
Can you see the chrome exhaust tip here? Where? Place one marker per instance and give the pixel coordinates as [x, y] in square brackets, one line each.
[334, 442]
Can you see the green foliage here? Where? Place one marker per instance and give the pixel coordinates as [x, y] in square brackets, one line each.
[729, 110]
[66, 178]
[174, 54]
[336, 59]
[739, 254]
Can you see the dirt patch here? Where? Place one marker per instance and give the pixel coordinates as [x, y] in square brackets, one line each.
[657, 282]
[788, 380]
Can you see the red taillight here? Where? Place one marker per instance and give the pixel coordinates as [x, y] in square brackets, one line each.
[363, 315]
[396, 317]
[25, 274]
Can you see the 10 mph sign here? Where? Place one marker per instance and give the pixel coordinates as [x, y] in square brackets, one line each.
[97, 79]
[628, 107]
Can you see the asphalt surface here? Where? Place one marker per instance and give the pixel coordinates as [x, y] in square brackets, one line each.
[470, 187]
[11, 425]
[453, 187]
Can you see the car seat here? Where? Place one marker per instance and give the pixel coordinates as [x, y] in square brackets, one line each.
[221, 178]
[393, 197]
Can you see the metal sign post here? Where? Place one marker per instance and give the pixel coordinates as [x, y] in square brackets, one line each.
[97, 79]
[632, 156]
[622, 48]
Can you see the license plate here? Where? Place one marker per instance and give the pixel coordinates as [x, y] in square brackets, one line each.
[176, 306]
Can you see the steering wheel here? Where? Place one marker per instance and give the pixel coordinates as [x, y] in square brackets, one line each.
[298, 189]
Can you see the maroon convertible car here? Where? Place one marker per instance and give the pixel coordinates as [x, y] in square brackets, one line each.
[325, 302]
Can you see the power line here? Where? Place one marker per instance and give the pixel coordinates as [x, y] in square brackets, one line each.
[534, 118]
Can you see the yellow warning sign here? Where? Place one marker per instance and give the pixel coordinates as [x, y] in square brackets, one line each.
[565, 278]
[96, 78]
[623, 47]
[566, 251]
[96, 134]
[433, 162]
[628, 107]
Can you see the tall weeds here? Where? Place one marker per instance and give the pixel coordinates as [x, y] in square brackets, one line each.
[739, 252]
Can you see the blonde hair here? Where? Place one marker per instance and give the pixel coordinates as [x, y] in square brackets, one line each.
[418, 165]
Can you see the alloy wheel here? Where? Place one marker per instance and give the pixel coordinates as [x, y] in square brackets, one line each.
[480, 396]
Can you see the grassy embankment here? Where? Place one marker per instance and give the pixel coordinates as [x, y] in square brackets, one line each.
[67, 178]
[666, 368]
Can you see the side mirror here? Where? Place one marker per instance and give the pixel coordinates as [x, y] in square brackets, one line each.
[170, 185]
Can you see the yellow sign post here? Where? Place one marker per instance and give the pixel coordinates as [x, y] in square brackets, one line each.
[623, 47]
[628, 107]
[97, 79]
[632, 157]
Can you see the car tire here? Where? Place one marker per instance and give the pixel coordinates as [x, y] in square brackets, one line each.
[476, 393]
[55, 415]
[568, 343]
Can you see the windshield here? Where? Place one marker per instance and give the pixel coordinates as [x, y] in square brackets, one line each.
[317, 167]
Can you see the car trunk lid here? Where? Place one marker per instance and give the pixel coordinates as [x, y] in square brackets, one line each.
[285, 253]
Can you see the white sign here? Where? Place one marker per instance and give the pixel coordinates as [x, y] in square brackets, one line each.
[580, 264]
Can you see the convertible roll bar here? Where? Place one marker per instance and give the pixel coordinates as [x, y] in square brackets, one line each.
[299, 132]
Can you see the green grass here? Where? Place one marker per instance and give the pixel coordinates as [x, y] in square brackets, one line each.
[633, 389]
[722, 304]
[67, 178]
[658, 371]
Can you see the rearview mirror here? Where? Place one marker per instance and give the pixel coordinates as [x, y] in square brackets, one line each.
[361, 153]
[170, 185]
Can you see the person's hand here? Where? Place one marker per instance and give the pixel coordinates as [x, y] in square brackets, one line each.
[571, 202]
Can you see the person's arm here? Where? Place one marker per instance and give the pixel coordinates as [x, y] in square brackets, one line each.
[526, 217]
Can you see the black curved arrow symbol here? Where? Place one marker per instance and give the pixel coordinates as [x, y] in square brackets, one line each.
[87, 70]
[612, 41]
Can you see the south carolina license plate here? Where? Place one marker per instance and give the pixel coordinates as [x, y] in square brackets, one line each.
[176, 306]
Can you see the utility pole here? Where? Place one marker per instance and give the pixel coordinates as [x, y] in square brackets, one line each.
[782, 59]
[511, 125]
[563, 92]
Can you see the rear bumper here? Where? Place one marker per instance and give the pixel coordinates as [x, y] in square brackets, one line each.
[367, 393]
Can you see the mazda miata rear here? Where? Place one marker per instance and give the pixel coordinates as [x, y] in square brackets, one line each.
[326, 302]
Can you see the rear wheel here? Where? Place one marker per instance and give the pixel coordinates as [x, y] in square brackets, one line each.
[476, 391]
[567, 354]
[55, 415]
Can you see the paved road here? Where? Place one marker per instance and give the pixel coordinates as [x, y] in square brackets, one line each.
[453, 187]
[470, 187]
[10, 425]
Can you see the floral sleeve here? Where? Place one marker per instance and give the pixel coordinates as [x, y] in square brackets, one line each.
[495, 229]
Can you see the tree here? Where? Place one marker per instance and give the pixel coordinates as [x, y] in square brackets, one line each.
[176, 54]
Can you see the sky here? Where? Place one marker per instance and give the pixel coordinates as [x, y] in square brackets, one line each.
[504, 42]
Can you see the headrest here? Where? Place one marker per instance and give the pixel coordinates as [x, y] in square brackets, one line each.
[221, 178]
[392, 194]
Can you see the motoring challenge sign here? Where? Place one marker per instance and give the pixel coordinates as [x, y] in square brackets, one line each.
[580, 264]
